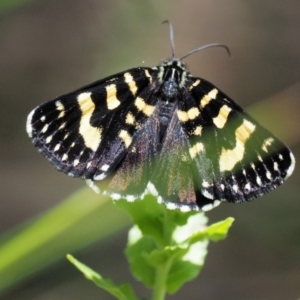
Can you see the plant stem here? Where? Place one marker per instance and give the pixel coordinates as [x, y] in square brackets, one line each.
[159, 290]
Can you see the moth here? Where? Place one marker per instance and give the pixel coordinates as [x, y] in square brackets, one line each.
[161, 131]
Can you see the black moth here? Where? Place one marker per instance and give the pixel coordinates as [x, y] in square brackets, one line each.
[161, 131]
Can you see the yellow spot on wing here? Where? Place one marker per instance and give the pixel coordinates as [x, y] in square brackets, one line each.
[111, 97]
[131, 83]
[148, 75]
[267, 143]
[60, 107]
[230, 157]
[130, 119]
[142, 106]
[191, 114]
[221, 119]
[125, 136]
[90, 134]
[198, 130]
[182, 116]
[197, 148]
[194, 84]
[207, 98]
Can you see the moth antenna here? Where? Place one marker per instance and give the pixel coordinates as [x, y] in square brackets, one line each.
[205, 47]
[171, 36]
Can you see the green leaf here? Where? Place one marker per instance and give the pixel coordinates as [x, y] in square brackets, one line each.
[180, 273]
[188, 264]
[158, 257]
[214, 232]
[121, 292]
[168, 248]
[147, 215]
[154, 219]
[137, 253]
[218, 231]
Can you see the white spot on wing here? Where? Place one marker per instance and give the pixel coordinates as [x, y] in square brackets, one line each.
[171, 205]
[45, 128]
[258, 180]
[235, 188]
[216, 203]
[104, 168]
[151, 189]
[29, 123]
[205, 184]
[62, 126]
[100, 176]
[207, 194]
[207, 207]
[247, 186]
[57, 147]
[186, 208]
[130, 198]
[291, 167]
[48, 139]
[159, 199]
[64, 157]
[115, 196]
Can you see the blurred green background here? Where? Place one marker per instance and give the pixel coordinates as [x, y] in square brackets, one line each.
[52, 47]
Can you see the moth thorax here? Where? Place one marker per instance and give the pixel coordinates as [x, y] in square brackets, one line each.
[173, 76]
[170, 89]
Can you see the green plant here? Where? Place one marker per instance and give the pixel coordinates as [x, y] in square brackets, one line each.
[165, 248]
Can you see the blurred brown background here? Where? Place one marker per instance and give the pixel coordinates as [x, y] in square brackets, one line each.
[49, 48]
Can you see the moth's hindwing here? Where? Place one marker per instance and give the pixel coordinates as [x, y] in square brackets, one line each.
[161, 131]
